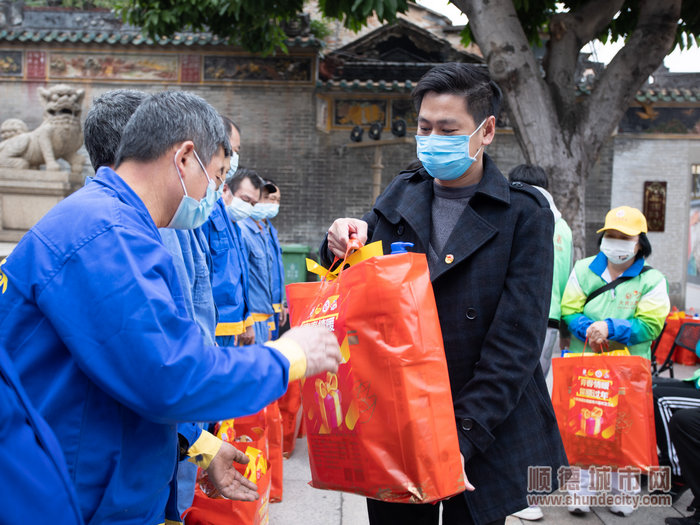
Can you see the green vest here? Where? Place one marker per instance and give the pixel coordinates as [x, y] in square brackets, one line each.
[626, 301]
[562, 266]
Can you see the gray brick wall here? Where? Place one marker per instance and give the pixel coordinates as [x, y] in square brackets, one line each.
[638, 159]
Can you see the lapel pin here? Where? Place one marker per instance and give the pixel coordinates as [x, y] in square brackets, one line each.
[449, 258]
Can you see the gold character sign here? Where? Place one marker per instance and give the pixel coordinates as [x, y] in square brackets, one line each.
[655, 205]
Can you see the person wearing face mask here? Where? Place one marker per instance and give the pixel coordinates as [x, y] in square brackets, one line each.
[489, 249]
[260, 259]
[104, 126]
[270, 204]
[94, 320]
[614, 300]
[228, 257]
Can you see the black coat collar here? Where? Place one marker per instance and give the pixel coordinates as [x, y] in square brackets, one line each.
[411, 200]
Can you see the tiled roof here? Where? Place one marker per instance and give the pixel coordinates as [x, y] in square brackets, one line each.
[366, 85]
[128, 38]
[668, 95]
[646, 95]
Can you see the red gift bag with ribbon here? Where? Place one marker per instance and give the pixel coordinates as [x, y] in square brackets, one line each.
[604, 410]
[383, 426]
[249, 434]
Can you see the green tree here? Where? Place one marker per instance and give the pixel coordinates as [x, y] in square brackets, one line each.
[557, 129]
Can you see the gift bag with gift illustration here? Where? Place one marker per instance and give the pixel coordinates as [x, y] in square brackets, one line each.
[384, 425]
[248, 434]
[604, 409]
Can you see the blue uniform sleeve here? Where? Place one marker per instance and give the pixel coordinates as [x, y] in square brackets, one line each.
[112, 305]
[578, 324]
[189, 431]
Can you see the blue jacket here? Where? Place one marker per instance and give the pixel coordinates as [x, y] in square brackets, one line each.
[108, 355]
[34, 482]
[277, 274]
[260, 265]
[229, 271]
[276, 277]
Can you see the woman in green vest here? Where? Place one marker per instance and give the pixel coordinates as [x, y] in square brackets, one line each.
[613, 300]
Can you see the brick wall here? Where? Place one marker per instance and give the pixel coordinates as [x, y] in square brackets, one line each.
[638, 159]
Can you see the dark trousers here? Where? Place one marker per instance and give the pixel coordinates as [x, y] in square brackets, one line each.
[454, 512]
[671, 395]
[685, 434]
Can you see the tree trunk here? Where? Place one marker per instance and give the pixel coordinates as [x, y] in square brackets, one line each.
[554, 130]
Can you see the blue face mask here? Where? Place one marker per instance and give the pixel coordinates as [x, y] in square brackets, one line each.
[233, 165]
[192, 213]
[239, 209]
[269, 209]
[257, 212]
[446, 157]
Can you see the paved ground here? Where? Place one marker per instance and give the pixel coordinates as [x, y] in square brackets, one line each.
[303, 505]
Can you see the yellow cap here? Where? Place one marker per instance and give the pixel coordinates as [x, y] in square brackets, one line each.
[625, 219]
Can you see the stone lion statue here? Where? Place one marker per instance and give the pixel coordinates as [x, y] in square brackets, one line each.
[58, 137]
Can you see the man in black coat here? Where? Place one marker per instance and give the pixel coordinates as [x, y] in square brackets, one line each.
[489, 250]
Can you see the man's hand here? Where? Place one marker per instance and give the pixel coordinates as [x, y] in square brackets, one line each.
[467, 483]
[341, 231]
[320, 347]
[231, 483]
[283, 316]
[247, 337]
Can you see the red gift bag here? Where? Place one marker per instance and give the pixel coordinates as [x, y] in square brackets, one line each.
[274, 434]
[384, 425]
[290, 410]
[248, 434]
[604, 410]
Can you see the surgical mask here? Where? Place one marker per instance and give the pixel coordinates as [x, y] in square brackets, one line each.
[233, 165]
[192, 213]
[446, 157]
[270, 209]
[258, 213]
[239, 209]
[617, 251]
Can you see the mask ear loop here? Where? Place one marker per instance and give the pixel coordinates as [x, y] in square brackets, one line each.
[178, 172]
[482, 146]
[203, 168]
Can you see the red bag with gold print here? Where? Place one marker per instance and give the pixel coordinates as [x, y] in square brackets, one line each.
[384, 425]
[604, 409]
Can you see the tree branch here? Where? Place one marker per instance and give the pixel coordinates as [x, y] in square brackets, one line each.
[645, 50]
[497, 30]
[568, 32]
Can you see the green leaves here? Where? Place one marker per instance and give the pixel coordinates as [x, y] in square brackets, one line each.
[253, 24]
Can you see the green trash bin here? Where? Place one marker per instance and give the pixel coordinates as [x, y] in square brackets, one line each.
[294, 260]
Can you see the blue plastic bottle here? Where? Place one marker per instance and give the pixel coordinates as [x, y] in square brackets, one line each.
[400, 247]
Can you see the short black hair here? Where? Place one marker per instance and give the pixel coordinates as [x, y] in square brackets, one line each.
[228, 124]
[644, 245]
[106, 121]
[529, 174]
[481, 94]
[245, 173]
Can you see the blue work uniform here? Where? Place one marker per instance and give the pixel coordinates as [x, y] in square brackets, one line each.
[192, 261]
[229, 274]
[276, 275]
[259, 276]
[101, 340]
[34, 482]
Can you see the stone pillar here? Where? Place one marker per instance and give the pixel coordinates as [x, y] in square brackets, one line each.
[25, 196]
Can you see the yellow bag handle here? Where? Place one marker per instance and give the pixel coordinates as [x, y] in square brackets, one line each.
[368, 251]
